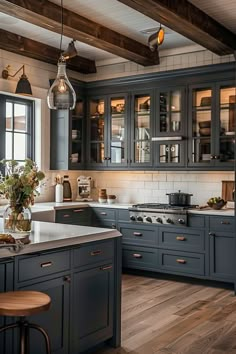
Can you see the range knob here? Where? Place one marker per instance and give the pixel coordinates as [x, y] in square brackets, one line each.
[139, 218]
[181, 221]
[132, 218]
[169, 221]
[148, 219]
[159, 220]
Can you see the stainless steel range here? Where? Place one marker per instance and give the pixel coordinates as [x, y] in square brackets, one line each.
[162, 214]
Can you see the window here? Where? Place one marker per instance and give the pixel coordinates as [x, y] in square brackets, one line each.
[16, 128]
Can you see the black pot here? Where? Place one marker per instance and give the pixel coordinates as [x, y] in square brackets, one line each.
[179, 199]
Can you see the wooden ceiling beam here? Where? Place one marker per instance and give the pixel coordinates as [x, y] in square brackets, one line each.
[47, 15]
[186, 19]
[36, 50]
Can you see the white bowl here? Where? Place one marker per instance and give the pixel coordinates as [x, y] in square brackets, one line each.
[111, 201]
[101, 200]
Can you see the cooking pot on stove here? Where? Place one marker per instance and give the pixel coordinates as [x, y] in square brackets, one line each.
[179, 199]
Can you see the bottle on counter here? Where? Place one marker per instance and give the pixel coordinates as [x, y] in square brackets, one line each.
[58, 190]
[67, 193]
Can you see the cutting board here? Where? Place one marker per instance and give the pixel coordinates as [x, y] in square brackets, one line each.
[227, 190]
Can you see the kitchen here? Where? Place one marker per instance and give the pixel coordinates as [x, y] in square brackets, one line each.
[135, 185]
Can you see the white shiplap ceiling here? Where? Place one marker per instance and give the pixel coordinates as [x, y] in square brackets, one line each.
[122, 19]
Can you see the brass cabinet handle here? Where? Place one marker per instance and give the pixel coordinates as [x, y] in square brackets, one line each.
[225, 222]
[137, 234]
[106, 267]
[103, 213]
[67, 278]
[180, 238]
[78, 210]
[66, 215]
[46, 264]
[181, 261]
[137, 255]
[95, 253]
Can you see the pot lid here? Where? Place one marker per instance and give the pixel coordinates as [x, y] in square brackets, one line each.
[179, 193]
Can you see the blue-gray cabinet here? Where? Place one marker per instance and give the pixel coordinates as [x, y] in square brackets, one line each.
[75, 216]
[6, 284]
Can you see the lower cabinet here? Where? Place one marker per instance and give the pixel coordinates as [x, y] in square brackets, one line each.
[74, 216]
[222, 256]
[55, 321]
[92, 297]
[145, 258]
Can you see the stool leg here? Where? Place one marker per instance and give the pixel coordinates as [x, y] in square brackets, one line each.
[4, 328]
[23, 335]
[45, 335]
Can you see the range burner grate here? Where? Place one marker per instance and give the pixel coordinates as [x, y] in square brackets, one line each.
[163, 206]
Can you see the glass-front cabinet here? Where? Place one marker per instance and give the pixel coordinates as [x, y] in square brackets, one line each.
[77, 128]
[141, 127]
[169, 127]
[107, 124]
[212, 126]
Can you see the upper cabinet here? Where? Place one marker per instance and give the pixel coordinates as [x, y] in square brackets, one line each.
[212, 125]
[107, 125]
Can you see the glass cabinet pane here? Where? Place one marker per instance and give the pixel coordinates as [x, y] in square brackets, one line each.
[202, 112]
[201, 150]
[117, 139]
[96, 153]
[142, 138]
[227, 110]
[97, 120]
[170, 111]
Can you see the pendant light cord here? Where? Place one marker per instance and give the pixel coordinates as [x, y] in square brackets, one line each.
[61, 26]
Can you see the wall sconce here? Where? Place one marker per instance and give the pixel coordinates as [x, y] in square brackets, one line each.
[23, 86]
[156, 39]
[71, 51]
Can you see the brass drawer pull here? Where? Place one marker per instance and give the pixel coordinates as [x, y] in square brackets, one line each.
[66, 215]
[46, 264]
[137, 234]
[180, 238]
[78, 210]
[225, 222]
[137, 255]
[95, 253]
[103, 213]
[181, 261]
[106, 267]
[67, 278]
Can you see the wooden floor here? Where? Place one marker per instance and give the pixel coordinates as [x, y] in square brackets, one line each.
[171, 317]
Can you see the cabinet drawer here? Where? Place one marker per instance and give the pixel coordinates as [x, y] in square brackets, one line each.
[93, 253]
[221, 223]
[189, 263]
[74, 216]
[139, 257]
[32, 267]
[138, 235]
[190, 240]
[104, 213]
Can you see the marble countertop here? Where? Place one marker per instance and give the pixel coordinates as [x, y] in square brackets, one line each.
[46, 236]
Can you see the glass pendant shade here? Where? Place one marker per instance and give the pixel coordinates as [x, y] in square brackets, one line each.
[61, 94]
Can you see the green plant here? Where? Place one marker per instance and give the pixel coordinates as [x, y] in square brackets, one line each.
[20, 182]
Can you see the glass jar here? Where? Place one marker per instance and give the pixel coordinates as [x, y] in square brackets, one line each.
[17, 218]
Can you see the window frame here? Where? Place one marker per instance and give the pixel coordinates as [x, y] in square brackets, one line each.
[30, 107]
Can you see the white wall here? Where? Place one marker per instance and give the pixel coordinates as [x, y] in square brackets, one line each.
[130, 187]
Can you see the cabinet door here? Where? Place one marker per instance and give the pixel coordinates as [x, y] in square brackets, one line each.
[6, 284]
[201, 140]
[77, 135]
[225, 140]
[169, 153]
[141, 128]
[92, 318]
[222, 256]
[97, 131]
[116, 151]
[56, 320]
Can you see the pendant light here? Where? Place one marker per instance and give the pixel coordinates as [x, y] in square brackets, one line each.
[156, 39]
[61, 94]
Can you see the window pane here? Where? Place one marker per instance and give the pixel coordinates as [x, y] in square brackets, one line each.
[8, 146]
[20, 117]
[19, 146]
[9, 116]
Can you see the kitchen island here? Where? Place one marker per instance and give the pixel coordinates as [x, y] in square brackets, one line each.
[80, 269]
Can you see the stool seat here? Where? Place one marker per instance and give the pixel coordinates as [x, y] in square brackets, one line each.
[23, 303]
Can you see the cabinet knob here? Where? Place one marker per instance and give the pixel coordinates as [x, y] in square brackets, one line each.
[95, 253]
[106, 267]
[67, 279]
[211, 234]
[113, 226]
[78, 210]
[137, 255]
[137, 234]
[181, 261]
[180, 238]
[225, 222]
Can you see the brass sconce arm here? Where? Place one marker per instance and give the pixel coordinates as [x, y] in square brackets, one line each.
[5, 72]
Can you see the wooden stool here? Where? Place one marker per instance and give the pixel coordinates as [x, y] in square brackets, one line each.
[21, 304]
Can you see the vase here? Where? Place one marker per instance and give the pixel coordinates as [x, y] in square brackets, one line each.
[17, 218]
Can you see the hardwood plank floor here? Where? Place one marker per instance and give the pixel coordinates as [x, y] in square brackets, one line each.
[172, 317]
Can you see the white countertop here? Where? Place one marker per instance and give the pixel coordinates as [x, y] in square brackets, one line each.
[46, 236]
